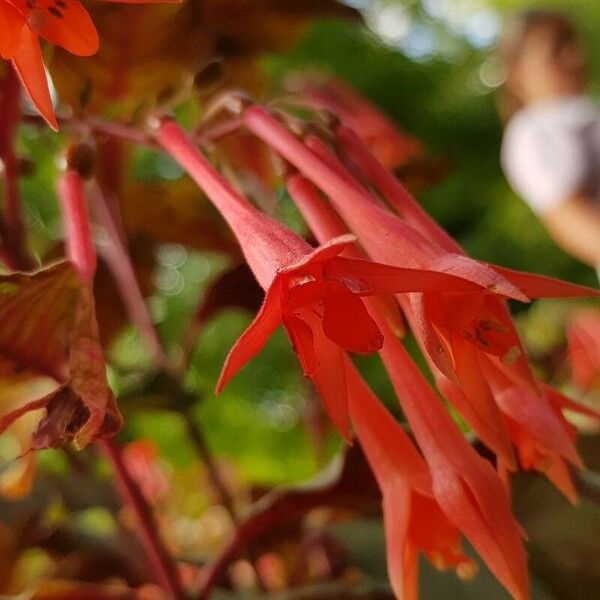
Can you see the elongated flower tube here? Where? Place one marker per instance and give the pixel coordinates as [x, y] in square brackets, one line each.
[466, 487]
[447, 325]
[413, 519]
[314, 293]
[64, 23]
[540, 432]
[391, 146]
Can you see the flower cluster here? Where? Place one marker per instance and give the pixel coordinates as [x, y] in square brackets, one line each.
[64, 23]
[336, 299]
[381, 261]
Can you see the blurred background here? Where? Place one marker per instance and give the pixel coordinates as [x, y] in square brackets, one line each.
[201, 460]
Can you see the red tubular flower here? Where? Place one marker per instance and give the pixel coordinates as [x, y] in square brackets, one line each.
[315, 294]
[484, 417]
[449, 327]
[468, 491]
[64, 23]
[583, 343]
[465, 485]
[391, 146]
[413, 520]
[489, 343]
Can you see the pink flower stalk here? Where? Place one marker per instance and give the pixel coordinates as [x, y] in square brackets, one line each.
[78, 237]
[314, 293]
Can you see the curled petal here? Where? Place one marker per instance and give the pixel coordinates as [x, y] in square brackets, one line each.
[540, 286]
[323, 253]
[390, 452]
[479, 273]
[12, 24]
[301, 336]
[365, 277]
[330, 376]
[64, 23]
[347, 322]
[255, 336]
[401, 552]
[28, 63]
[533, 412]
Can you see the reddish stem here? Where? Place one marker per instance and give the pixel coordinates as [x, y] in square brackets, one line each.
[160, 560]
[119, 263]
[11, 230]
[78, 237]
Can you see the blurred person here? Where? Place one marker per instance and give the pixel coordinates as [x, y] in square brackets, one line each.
[551, 145]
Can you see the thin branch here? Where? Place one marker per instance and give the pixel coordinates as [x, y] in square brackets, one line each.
[197, 438]
[117, 258]
[161, 562]
[135, 135]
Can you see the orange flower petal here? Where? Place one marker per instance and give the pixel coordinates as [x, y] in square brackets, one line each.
[64, 23]
[347, 322]
[254, 337]
[28, 63]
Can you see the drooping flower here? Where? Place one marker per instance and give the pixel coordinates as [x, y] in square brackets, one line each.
[314, 293]
[467, 489]
[64, 23]
[413, 519]
[478, 337]
[449, 327]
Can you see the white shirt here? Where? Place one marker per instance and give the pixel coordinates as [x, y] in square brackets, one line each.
[551, 152]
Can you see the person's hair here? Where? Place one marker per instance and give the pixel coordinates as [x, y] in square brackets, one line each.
[559, 33]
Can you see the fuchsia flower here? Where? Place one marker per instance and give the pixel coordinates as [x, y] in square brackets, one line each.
[64, 23]
[314, 293]
[413, 519]
[455, 331]
[465, 487]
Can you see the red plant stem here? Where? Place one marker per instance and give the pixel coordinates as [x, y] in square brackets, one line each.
[160, 560]
[12, 234]
[119, 263]
[218, 131]
[81, 253]
[78, 237]
[283, 509]
[127, 133]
